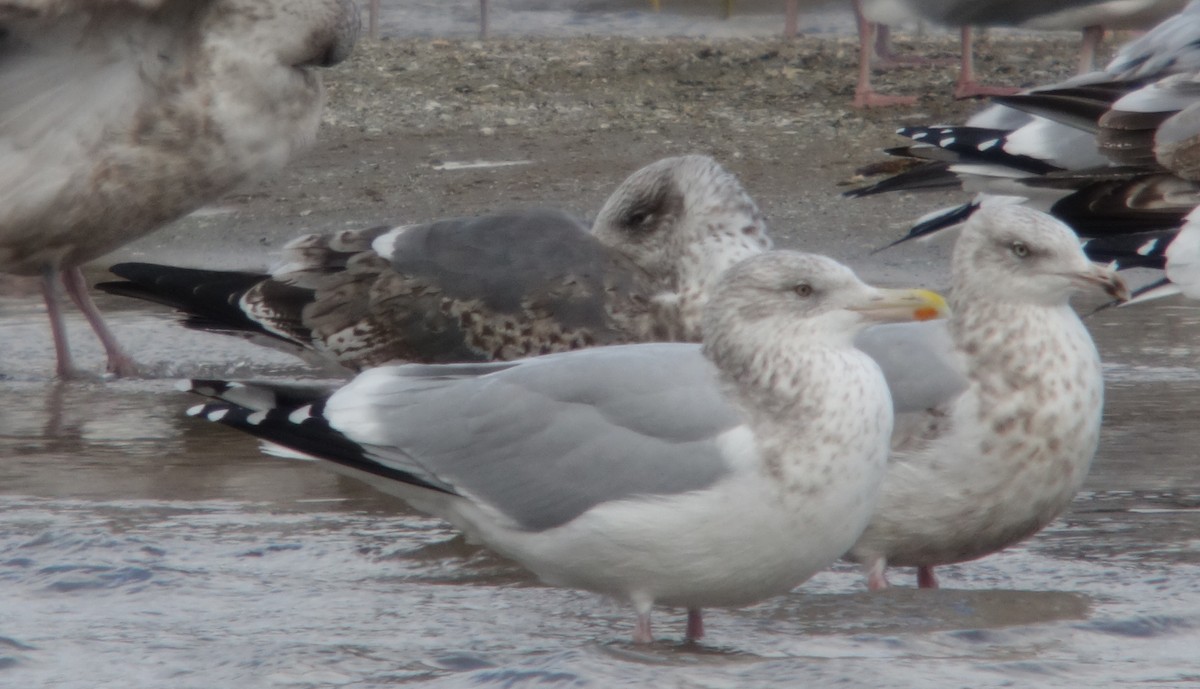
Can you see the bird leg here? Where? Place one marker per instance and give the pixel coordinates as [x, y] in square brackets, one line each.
[864, 95]
[926, 578]
[1092, 37]
[890, 59]
[967, 86]
[641, 632]
[373, 20]
[877, 575]
[119, 362]
[483, 18]
[695, 625]
[791, 19]
[62, 350]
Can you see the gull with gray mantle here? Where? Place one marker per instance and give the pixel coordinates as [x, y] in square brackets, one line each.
[117, 117]
[997, 408]
[495, 287]
[669, 473]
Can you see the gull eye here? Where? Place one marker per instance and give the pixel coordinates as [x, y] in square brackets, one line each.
[803, 289]
[639, 218]
[1020, 249]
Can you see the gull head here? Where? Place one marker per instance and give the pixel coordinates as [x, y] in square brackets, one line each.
[1020, 255]
[810, 298]
[684, 220]
[295, 34]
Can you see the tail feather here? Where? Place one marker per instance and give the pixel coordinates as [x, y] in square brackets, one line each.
[215, 300]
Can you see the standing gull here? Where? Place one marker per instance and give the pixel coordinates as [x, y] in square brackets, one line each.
[496, 287]
[996, 460]
[117, 117]
[658, 473]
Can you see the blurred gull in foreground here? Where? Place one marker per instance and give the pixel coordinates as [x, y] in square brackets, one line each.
[1001, 455]
[117, 117]
[495, 287]
[659, 473]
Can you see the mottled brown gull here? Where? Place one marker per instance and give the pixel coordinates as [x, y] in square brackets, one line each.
[654, 473]
[118, 116]
[495, 287]
[1006, 449]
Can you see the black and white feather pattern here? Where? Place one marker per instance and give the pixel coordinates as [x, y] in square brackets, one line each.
[1114, 154]
[496, 287]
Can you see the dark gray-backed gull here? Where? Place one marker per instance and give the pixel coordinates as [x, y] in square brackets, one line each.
[495, 287]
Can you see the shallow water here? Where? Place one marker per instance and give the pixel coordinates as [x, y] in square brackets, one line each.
[139, 548]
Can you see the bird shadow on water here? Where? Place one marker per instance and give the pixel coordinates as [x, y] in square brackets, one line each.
[677, 652]
[909, 611]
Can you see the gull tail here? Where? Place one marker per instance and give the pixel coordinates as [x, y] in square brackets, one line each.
[290, 420]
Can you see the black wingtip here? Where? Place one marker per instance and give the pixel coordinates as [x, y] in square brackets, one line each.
[303, 429]
[942, 221]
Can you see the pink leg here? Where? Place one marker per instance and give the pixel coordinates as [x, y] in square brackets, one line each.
[926, 578]
[967, 86]
[877, 575]
[62, 350]
[641, 632]
[864, 95]
[373, 20]
[695, 625]
[118, 361]
[791, 19]
[483, 18]
[1092, 37]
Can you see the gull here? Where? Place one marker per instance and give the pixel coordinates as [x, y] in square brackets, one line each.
[664, 473]
[495, 287]
[1114, 154]
[119, 116]
[994, 462]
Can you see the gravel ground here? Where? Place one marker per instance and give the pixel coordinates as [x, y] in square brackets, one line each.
[579, 114]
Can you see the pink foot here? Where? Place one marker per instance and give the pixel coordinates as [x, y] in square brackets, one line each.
[871, 99]
[695, 625]
[973, 89]
[926, 578]
[119, 363]
[877, 575]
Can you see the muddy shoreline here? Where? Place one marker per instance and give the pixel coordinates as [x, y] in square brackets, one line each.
[579, 114]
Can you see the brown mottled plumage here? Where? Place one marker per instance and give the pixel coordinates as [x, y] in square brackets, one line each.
[496, 287]
[118, 116]
[998, 460]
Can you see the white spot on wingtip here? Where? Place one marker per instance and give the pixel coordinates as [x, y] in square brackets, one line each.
[217, 414]
[301, 414]
[990, 143]
[196, 410]
[256, 418]
[1148, 248]
[946, 141]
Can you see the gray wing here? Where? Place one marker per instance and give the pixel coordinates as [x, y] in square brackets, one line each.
[1172, 46]
[547, 439]
[919, 361]
[1015, 12]
[495, 287]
